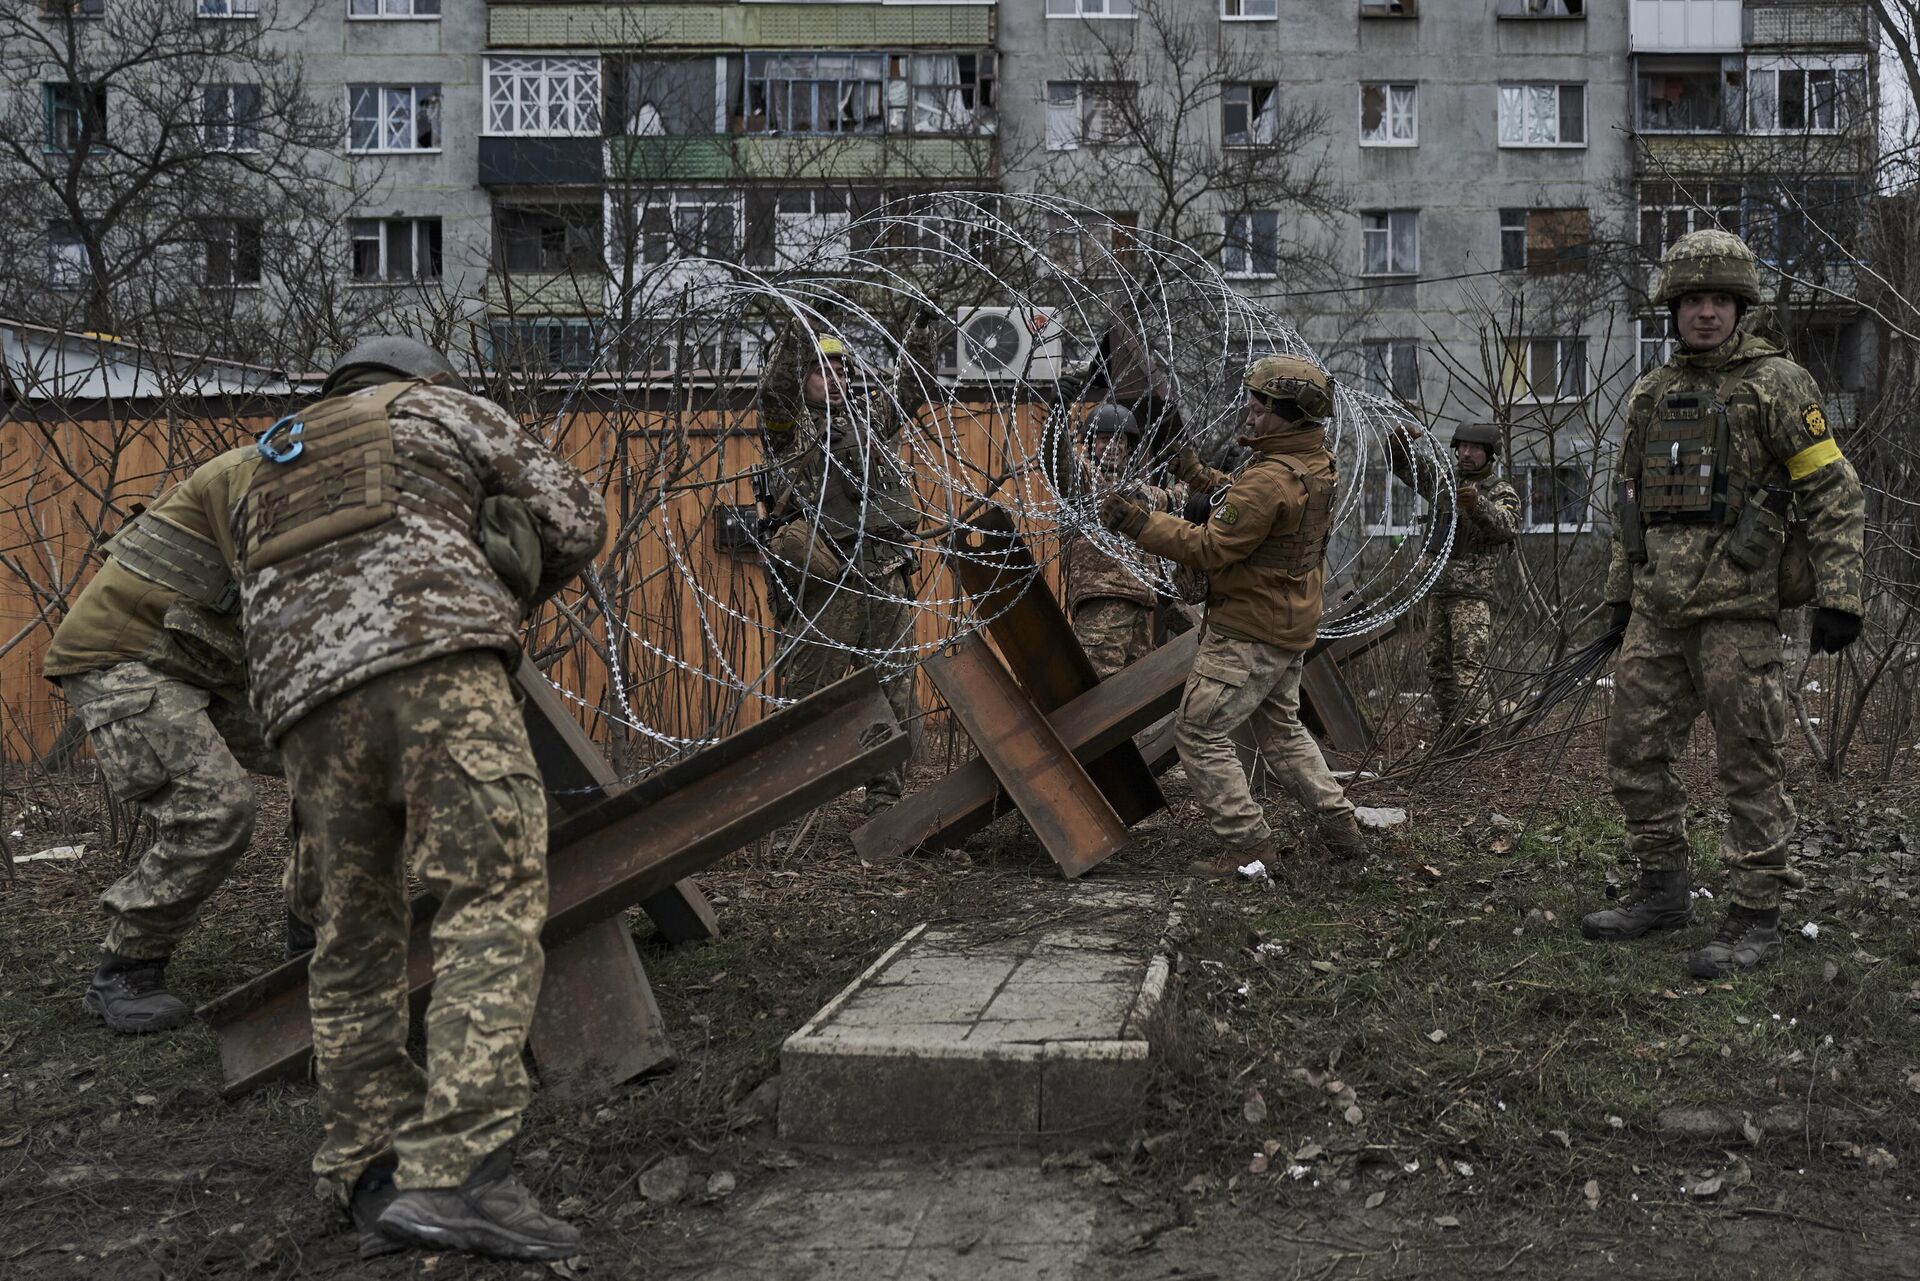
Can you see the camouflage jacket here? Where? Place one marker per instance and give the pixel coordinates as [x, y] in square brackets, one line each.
[123, 616]
[416, 586]
[838, 468]
[1778, 436]
[1091, 573]
[1482, 534]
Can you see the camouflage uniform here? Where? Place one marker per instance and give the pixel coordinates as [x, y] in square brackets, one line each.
[1459, 609]
[842, 554]
[1111, 609]
[149, 659]
[379, 631]
[1704, 630]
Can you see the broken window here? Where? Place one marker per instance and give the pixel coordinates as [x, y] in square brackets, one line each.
[1249, 116]
[1387, 116]
[1688, 95]
[560, 238]
[393, 117]
[816, 93]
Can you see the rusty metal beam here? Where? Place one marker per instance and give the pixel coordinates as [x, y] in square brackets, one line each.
[1092, 725]
[1001, 577]
[1073, 820]
[614, 853]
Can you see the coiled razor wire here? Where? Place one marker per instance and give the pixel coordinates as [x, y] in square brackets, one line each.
[1092, 311]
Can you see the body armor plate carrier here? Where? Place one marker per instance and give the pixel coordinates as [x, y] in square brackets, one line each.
[1300, 552]
[177, 559]
[347, 478]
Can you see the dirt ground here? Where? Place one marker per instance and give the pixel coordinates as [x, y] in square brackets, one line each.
[1412, 1069]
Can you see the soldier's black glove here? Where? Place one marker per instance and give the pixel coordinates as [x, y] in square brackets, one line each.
[1199, 508]
[1622, 610]
[1833, 630]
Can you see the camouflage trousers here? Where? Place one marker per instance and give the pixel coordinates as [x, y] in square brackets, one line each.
[173, 751]
[1663, 679]
[1114, 632]
[824, 622]
[1235, 682]
[1459, 635]
[425, 769]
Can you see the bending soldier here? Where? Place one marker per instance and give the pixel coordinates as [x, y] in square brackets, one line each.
[1460, 606]
[150, 659]
[393, 540]
[1265, 549]
[1721, 443]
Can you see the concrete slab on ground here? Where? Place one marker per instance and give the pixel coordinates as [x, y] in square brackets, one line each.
[989, 1031]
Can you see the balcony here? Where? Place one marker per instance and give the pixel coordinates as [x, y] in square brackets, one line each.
[547, 293]
[540, 162]
[1685, 26]
[738, 26]
[723, 158]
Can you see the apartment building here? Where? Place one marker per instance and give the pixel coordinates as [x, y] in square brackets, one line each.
[1491, 179]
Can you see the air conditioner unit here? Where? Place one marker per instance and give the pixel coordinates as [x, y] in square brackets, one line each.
[1002, 344]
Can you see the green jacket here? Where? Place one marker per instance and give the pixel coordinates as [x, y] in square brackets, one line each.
[122, 617]
[1778, 436]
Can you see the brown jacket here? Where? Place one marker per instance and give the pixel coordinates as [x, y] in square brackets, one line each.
[1267, 502]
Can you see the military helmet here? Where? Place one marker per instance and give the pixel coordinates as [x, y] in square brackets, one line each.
[1109, 418]
[1710, 261]
[1487, 434]
[397, 354]
[1292, 378]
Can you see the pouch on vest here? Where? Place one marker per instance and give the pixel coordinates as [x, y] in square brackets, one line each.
[177, 559]
[512, 546]
[1683, 476]
[1797, 583]
[199, 646]
[1760, 528]
[1633, 529]
[1301, 551]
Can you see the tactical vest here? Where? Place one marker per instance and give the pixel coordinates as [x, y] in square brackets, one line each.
[1302, 551]
[1683, 461]
[347, 476]
[178, 559]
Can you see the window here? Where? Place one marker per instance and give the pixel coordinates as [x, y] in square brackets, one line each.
[229, 8]
[1390, 367]
[1249, 10]
[395, 250]
[75, 8]
[946, 93]
[1544, 241]
[1541, 9]
[1656, 341]
[76, 116]
[1803, 95]
[810, 227]
[820, 93]
[1388, 506]
[67, 263]
[1546, 368]
[1086, 113]
[1095, 247]
[1387, 117]
[1389, 8]
[1554, 497]
[1688, 95]
[393, 9]
[543, 97]
[1248, 116]
[694, 223]
[1794, 223]
[231, 117]
[1670, 210]
[393, 117]
[1089, 8]
[1543, 115]
[545, 342]
[1390, 241]
[1250, 247]
[558, 239]
[233, 250]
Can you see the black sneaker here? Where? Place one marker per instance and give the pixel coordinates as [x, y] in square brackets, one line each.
[373, 1192]
[490, 1214]
[1746, 940]
[1663, 901]
[131, 996]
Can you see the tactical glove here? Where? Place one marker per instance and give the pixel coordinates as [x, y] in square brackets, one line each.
[1622, 610]
[1468, 496]
[1188, 467]
[1199, 507]
[1123, 515]
[1833, 630]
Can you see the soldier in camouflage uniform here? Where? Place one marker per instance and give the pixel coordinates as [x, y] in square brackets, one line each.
[842, 513]
[149, 658]
[1111, 609]
[1460, 606]
[1265, 549]
[393, 540]
[1722, 442]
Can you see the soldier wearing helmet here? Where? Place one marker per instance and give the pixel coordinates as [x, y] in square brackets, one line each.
[1727, 453]
[840, 518]
[1111, 608]
[1459, 609]
[1265, 552]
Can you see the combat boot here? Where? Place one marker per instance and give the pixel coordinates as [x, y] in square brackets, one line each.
[1747, 939]
[299, 938]
[1228, 864]
[131, 996]
[373, 1192]
[1663, 901]
[1340, 834]
[490, 1214]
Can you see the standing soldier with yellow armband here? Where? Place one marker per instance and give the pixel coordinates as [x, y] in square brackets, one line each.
[1722, 443]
